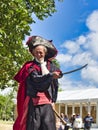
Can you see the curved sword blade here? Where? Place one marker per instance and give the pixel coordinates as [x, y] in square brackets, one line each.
[75, 70]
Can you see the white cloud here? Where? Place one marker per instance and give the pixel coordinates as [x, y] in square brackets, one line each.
[84, 49]
[91, 74]
[92, 37]
[81, 40]
[92, 21]
[67, 84]
[64, 58]
[81, 58]
[92, 42]
[71, 46]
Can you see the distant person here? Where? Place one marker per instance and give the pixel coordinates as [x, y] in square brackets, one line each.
[61, 124]
[58, 124]
[72, 119]
[66, 119]
[77, 122]
[88, 120]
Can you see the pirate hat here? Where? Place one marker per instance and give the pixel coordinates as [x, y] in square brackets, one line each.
[34, 41]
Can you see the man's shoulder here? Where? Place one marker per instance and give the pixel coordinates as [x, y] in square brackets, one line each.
[86, 116]
[23, 71]
[28, 63]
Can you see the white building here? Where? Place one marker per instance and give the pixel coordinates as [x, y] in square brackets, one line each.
[79, 102]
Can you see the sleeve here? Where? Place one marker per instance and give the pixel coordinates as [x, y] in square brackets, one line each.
[55, 89]
[38, 79]
[55, 83]
[38, 83]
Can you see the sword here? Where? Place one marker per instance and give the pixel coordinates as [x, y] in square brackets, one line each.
[62, 120]
[74, 70]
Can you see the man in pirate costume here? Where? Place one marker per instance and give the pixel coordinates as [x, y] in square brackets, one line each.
[38, 87]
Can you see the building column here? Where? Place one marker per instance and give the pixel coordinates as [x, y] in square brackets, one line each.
[65, 109]
[89, 107]
[97, 114]
[81, 109]
[73, 109]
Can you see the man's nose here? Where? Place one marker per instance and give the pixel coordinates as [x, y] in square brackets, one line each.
[38, 54]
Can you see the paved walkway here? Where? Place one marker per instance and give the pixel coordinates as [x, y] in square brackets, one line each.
[94, 128]
[9, 127]
[90, 129]
[5, 127]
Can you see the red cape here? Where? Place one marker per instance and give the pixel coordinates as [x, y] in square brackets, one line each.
[22, 99]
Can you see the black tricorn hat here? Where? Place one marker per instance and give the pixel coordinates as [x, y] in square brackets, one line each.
[34, 41]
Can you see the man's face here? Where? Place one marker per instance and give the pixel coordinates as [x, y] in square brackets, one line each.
[88, 114]
[39, 52]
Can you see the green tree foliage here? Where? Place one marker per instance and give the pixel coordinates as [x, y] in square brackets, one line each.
[6, 107]
[56, 63]
[15, 19]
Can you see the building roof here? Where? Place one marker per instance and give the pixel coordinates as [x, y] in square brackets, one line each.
[81, 95]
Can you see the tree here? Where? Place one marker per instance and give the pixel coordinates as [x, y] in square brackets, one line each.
[15, 20]
[6, 107]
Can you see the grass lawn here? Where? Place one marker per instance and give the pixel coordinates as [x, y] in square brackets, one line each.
[6, 125]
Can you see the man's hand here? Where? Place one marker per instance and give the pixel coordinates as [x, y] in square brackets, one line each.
[56, 75]
[53, 105]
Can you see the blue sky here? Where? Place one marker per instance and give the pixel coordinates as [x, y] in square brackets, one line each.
[74, 31]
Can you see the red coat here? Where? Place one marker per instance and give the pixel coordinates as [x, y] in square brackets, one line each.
[22, 99]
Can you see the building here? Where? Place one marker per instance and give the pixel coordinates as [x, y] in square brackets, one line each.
[80, 102]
